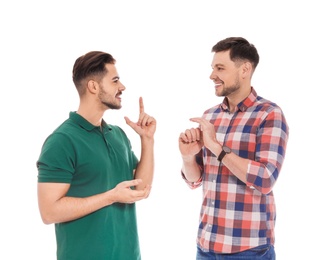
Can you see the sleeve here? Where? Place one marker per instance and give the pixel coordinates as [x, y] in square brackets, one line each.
[271, 144]
[56, 161]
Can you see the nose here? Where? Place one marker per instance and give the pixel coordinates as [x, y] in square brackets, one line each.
[122, 87]
[212, 75]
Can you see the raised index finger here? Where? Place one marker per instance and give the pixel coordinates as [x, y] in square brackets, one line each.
[197, 120]
[141, 105]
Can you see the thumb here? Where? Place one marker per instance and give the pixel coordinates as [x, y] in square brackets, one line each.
[135, 182]
[128, 121]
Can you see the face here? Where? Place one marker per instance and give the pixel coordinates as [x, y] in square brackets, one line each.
[225, 74]
[111, 88]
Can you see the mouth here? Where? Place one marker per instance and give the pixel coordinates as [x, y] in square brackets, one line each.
[217, 85]
[118, 96]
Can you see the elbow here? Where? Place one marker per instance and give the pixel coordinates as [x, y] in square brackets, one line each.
[263, 178]
[263, 185]
[47, 218]
[46, 221]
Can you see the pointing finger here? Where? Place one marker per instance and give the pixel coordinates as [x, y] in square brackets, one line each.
[196, 119]
[141, 105]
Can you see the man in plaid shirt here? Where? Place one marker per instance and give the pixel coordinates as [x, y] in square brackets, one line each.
[236, 154]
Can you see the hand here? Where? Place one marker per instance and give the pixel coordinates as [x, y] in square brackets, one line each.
[208, 132]
[123, 193]
[146, 125]
[190, 142]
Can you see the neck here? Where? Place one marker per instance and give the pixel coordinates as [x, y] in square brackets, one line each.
[235, 98]
[91, 114]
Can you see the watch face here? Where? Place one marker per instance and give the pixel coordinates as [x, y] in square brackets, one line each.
[227, 149]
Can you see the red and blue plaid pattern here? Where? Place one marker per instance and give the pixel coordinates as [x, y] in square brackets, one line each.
[236, 216]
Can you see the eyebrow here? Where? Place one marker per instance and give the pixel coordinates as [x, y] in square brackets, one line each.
[115, 78]
[217, 65]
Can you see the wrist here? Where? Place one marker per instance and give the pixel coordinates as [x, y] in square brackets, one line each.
[147, 140]
[215, 148]
[224, 151]
[188, 158]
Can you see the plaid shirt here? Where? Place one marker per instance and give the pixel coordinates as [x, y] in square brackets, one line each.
[236, 216]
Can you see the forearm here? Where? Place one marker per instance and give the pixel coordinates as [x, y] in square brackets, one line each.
[71, 208]
[240, 167]
[191, 169]
[236, 164]
[145, 167]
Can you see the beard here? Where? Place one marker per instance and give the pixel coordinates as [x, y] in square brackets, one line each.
[227, 90]
[109, 101]
[111, 105]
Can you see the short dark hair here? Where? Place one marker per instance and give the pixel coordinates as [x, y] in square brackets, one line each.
[240, 49]
[91, 65]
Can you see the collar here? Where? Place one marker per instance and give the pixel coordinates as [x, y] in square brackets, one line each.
[243, 105]
[82, 122]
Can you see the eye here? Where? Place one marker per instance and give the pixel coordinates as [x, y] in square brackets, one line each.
[115, 79]
[218, 67]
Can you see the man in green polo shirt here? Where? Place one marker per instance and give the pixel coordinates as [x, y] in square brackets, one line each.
[88, 175]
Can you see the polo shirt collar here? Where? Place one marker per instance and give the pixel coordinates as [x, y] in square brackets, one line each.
[82, 122]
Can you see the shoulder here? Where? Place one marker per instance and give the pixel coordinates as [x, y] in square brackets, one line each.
[267, 105]
[64, 134]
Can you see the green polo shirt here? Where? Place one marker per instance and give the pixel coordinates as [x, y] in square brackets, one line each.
[92, 161]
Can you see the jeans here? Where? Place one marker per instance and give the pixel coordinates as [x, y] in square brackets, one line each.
[264, 252]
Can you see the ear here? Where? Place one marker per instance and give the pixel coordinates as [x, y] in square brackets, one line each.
[246, 69]
[92, 86]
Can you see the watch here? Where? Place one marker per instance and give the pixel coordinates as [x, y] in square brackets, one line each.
[224, 151]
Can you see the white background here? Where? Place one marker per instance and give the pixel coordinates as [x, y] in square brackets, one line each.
[163, 53]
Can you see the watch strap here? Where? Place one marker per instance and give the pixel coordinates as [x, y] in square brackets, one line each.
[221, 155]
